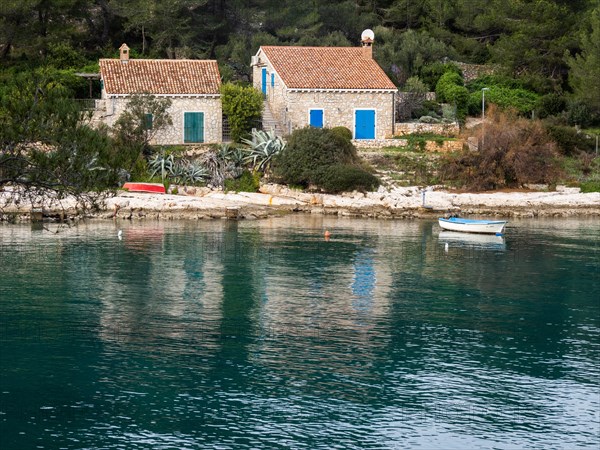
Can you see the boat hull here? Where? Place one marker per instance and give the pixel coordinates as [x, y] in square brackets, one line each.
[472, 226]
[155, 188]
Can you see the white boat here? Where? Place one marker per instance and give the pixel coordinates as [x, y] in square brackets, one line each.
[472, 225]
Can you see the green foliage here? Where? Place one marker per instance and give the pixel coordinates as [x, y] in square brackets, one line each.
[569, 140]
[343, 133]
[584, 76]
[519, 99]
[450, 89]
[246, 182]
[344, 177]
[431, 73]
[590, 186]
[309, 155]
[550, 105]
[402, 55]
[264, 145]
[579, 113]
[243, 107]
[46, 145]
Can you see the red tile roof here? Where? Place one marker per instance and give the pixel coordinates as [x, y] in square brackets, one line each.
[160, 76]
[327, 68]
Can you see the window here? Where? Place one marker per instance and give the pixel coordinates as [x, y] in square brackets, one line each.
[147, 121]
[272, 80]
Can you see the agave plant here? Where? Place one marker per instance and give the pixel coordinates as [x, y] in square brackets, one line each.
[161, 164]
[195, 173]
[264, 145]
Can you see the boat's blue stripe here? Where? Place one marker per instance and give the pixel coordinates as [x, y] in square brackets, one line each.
[472, 221]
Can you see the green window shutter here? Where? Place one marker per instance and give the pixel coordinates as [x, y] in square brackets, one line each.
[147, 121]
[193, 127]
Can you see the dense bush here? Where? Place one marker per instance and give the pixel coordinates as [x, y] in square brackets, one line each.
[578, 113]
[431, 73]
[246, 182]
[569, 140]
[550, 105]
[522, 100]
[517, 151]
[450, 89]
[342, 132]
[345, 177]
[311, 152]
[243, 107]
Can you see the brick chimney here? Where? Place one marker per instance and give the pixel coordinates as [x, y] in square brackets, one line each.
[124, 57]
[366, 41]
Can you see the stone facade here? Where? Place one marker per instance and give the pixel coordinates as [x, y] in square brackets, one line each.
[108, 111]
[291, 107]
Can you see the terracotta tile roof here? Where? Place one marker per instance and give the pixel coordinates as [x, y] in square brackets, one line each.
[160, 76]
[327, 68]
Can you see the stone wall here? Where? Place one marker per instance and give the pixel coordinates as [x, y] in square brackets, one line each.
[108, 111]
[430, 146]
[339, 109]
[443, 129]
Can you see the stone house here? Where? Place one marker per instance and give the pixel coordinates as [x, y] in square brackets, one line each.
[193, 86]
[326, 87]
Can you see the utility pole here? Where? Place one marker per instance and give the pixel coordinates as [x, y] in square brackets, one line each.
[483, 116]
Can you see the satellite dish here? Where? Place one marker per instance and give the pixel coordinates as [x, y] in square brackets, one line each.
[367, 35]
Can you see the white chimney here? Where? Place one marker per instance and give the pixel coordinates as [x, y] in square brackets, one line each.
[367, 38]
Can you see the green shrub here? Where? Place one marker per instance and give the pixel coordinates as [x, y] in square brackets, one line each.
[246, 182]
[243, 107]
[569, 141]
[428, 108]
[431, 73]
[578, 113]
[522, 100]
[590, 186]
[311, 152]
[550, 105]
[445, 87]
[342, 132]
[344, 177]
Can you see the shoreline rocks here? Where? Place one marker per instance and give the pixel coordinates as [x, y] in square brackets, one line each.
[275, 200]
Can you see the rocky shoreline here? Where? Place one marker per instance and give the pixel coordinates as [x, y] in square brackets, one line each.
[274, 200]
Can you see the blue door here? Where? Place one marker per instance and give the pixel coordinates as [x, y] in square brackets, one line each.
[193, 127]
[316, 118]
[364, 120]
[264, 81]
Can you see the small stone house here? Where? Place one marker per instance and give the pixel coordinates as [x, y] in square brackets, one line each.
[193, 86]
[326, 87]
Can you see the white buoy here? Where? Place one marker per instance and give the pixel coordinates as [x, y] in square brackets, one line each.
[120, 234]
[446, 247]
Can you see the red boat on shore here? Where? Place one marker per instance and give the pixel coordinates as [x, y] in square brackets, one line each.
[154, 188]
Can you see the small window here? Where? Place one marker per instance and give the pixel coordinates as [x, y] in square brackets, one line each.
[272, 80]
[147, 121]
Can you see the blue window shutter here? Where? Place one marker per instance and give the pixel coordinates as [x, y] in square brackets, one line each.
[264, 81]
[272, 80]
[316, 118]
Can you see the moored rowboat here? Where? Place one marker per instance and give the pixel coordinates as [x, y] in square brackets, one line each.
[472, 225]
[156, 188]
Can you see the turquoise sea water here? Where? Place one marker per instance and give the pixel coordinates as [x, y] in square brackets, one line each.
[265, 335]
